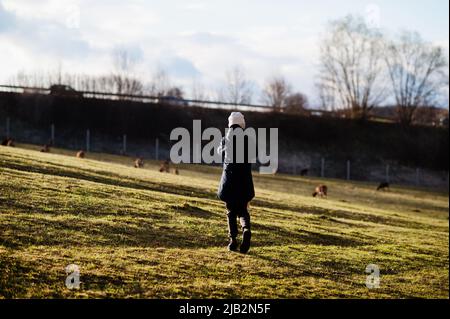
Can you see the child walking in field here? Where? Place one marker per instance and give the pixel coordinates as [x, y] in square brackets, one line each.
[236, 185]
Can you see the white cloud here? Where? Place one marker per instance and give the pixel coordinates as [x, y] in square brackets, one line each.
[194, 6]
[46, 10]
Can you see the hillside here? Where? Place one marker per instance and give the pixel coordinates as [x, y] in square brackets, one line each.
[144, 234]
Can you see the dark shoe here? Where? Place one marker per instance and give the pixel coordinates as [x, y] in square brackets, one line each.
[232, 246]
[245, 245]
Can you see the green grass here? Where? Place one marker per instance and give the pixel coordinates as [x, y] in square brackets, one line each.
[144, 234]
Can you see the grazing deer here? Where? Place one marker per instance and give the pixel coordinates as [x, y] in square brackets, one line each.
[165, 167]
[45, 149]
[383, 186]
[138, 163]
[321, 191]
[8, 142]
[80, 154]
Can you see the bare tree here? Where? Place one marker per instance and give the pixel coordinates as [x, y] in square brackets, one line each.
[238, 89]
[124, 62]
[351, 65]
[276, 92]
[39, 78]
[176, 92]
[198, 91]
[417, 73]
[123, 76]
[160, 83]
[297, 103]
[21, 79]
[81, 82]
[327, 96]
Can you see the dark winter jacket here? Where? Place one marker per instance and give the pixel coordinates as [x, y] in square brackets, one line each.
[236, 184]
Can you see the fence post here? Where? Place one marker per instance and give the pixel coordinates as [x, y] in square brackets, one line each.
[124, 146]
[387, 173]
[157, 148]
[322, 167]
[88, 140]
[348, 170]
[8, 132]
[52, 134]
[417, 176]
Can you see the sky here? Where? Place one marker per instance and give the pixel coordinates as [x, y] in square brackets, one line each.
[196, 40]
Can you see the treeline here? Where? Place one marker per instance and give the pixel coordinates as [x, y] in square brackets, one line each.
[360, 69]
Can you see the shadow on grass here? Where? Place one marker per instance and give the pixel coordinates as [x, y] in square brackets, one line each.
[18, 276]
[20, 230]
[113, 179]
[273, 234]
[95, 211]
[192, 211]
[300, 270]
[377, 219]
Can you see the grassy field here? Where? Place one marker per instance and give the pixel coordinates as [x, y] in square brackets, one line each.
[144, 234]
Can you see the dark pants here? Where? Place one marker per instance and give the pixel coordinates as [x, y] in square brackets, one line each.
[236, 210]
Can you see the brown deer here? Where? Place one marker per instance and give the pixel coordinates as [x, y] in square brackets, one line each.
[80, 154]
[8, 142]
[321, 191]
[383, 186]
[165, 167]
[304, 172]
[138, 163]
[45, 148]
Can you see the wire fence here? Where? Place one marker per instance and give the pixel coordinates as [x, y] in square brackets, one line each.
[295, 162]
[378, 170]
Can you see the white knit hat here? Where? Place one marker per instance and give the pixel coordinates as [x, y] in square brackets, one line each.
[236, 118]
